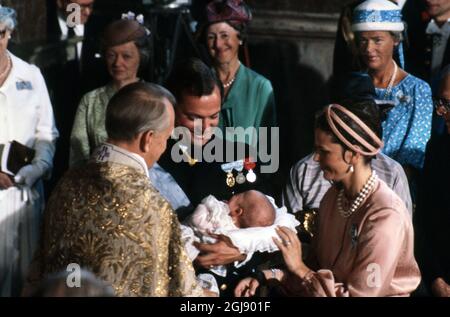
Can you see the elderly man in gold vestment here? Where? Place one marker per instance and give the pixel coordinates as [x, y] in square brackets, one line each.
[107, 217]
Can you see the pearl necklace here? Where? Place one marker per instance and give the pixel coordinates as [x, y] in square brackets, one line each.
[391, 82]
[8, 66]
[229, 83]
[361, 196]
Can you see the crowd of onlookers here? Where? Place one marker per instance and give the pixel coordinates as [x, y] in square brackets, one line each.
[131, 196]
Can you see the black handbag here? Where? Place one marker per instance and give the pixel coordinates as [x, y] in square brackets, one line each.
[14, 156]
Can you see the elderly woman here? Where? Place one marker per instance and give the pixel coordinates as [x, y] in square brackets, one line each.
[26, 116]
[364, 243]
[248, 96]
[125, 46]
[378, 26]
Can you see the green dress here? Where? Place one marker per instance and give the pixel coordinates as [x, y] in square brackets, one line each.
[89, 130]
[250, 102]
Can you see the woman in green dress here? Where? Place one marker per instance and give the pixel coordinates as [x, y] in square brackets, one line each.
[248, 96]
[125, 47]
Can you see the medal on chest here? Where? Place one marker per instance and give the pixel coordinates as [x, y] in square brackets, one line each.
[228, 169]
[249, 166]
[240, 178]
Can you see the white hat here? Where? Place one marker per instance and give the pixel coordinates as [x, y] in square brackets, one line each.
[377, 15]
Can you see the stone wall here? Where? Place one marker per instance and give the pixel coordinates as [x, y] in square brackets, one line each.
[292, 43]
[31, 19]
[310, 6]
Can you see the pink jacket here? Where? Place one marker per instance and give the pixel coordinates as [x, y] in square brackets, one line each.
[368, 254]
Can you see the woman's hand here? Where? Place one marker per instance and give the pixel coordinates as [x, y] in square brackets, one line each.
[5, 181]
[220, 253]
[440, 288]
[246, 287]
[291, 248]
[28, 175]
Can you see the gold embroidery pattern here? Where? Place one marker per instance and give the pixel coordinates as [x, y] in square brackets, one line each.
[108, 218]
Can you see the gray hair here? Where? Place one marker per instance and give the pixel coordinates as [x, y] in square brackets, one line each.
[8, 17]
[137, 108]
[397, 36]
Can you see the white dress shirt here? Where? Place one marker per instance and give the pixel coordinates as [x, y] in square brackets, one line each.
[78, 30]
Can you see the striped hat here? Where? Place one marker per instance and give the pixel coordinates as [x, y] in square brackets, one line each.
[377, 15]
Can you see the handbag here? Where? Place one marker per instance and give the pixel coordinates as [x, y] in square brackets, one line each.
[14, 156]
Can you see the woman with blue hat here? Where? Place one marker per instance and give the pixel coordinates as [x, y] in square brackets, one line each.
[378, 27]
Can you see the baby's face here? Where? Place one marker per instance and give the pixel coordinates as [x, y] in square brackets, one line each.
[235, 208]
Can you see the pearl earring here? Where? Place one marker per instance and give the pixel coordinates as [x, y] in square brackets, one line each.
[240, 42]
[351, 169]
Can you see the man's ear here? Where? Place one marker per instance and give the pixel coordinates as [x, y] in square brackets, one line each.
[146, 140]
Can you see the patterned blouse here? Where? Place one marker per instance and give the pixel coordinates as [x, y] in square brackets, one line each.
[408, 125]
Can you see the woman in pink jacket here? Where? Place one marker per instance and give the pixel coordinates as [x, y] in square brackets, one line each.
[364, 242]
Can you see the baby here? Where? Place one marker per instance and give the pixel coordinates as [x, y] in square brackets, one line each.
[248, 219]
[244, 210]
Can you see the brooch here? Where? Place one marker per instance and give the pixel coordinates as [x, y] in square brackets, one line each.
[24, 85]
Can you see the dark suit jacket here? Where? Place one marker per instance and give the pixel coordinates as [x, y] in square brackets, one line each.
[418, 56]
[432, 216]
[68, 80]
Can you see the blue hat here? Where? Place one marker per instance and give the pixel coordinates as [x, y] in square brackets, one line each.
[377, 15]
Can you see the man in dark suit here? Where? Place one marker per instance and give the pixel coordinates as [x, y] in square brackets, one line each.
[199, 96]
[429, 49]
[74, 51]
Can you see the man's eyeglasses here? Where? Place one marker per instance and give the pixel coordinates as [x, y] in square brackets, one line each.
[442, 106]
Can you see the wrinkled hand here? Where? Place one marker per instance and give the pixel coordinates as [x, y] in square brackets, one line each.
[220, 253]
[291, 249]
[5, 181]
[440, 288]
[246, 287]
